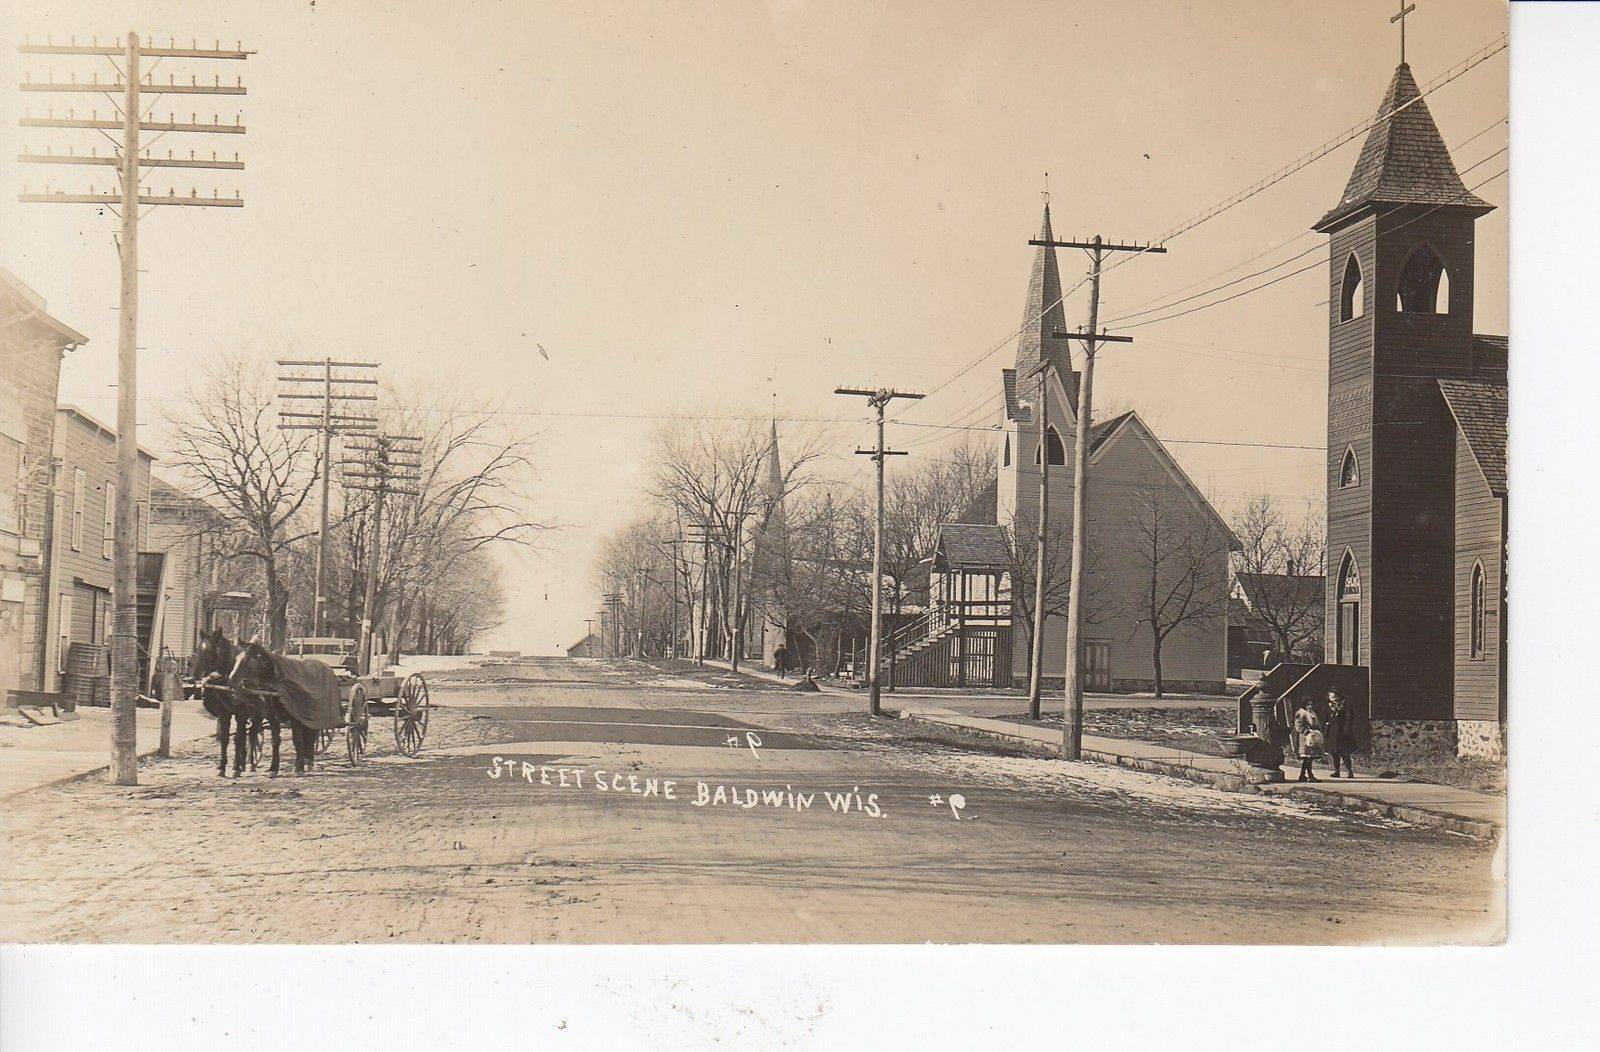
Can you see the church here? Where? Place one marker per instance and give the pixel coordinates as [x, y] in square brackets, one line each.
[1416, 470]
[1147, 524]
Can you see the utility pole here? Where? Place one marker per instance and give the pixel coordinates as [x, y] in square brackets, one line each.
[638, 600]
[702, 634]
[588, 629]
[388, 464]
[125, 202]
[877, 399]
[736, 640]
[1072, 730]
[328, 423]
[612, 602]
[1036, 657]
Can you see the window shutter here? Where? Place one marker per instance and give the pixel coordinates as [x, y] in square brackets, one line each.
[63, 632]
[77, 509]
[109, 532]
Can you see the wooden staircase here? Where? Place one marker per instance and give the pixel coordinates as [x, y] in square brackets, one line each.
[150, 600]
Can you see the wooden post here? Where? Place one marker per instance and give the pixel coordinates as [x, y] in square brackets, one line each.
[318, 619]
[125, 628]
[1036, 656]
[1072, 733]
[370, 601]
[169, 693]
[878, 399]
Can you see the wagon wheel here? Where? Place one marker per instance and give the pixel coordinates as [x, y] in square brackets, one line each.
[411, 711]
[355, 730]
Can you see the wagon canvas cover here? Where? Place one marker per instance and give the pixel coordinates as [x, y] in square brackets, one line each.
[309, 690]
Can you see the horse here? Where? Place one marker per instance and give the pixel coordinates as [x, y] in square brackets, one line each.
[252, 683]
[213, 660]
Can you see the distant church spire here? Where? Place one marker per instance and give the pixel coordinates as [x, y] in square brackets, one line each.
[1044, 315]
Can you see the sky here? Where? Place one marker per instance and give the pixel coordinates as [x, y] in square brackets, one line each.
[735, 207]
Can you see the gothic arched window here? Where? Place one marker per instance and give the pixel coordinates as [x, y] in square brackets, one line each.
[1478, 619]
[1350, 470]
[1352, 300]
[1422, 280]
[1005, 455]
[1052, 442]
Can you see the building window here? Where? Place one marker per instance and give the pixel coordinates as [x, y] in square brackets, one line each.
[1352, 300]
[63, 632]
[1347, 629]
[1052, 443]
[77, 509]
[1424, 286]
[1478, 620]
[1350, 470]
[141, 530]
[108, 533]
[1005, 454]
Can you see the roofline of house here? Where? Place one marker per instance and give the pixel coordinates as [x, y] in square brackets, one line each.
[70, 337]
[67, 407]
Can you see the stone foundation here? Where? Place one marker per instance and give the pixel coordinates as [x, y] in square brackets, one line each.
[1477, 739]
[1429, 735]
[1481, 739]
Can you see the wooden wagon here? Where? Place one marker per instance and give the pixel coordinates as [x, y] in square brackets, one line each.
[402, 698]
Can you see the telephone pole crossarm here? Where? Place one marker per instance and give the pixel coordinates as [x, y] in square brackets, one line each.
[878, 399]
[1097, 247]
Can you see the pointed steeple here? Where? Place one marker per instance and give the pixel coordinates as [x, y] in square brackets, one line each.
[1044, 314]
[1404, 161]
[1042, 317]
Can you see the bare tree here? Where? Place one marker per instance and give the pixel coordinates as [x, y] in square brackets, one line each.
[470, 498]
[714, 474]
[227, 444]
[1281, 564]
[1179, 558]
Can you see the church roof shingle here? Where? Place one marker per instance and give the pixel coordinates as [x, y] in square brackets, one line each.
[972, 546]
[1480, 409]
[1404, 160]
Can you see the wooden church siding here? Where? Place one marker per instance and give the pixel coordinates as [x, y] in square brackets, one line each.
[1479, 535]
[1350, 342]
[1412, 537]
[1193, 653]
[1349, 508]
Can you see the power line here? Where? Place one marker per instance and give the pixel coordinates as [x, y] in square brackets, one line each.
[1282, 277]
[1284, 244]
[1486, 52]
[1267, 270]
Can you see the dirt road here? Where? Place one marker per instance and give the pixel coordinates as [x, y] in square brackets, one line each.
[789, 818]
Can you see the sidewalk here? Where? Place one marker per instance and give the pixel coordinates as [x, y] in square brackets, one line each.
[35, 757]
[1423, 803]
[997, 703]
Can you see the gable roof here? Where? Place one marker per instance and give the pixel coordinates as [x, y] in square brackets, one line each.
[1129, 423]
[1404, 160]
[971, 546]
[1281, 589]
[1480, 409]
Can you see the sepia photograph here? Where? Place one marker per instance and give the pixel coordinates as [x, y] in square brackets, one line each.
[781, 473]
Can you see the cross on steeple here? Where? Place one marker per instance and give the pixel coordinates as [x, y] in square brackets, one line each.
[1405, 9]
[1047, 189]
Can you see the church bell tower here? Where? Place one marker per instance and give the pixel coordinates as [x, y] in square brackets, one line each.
[1400, 281]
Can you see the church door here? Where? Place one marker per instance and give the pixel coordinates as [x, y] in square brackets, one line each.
[1096, 665]
[1349, 625]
